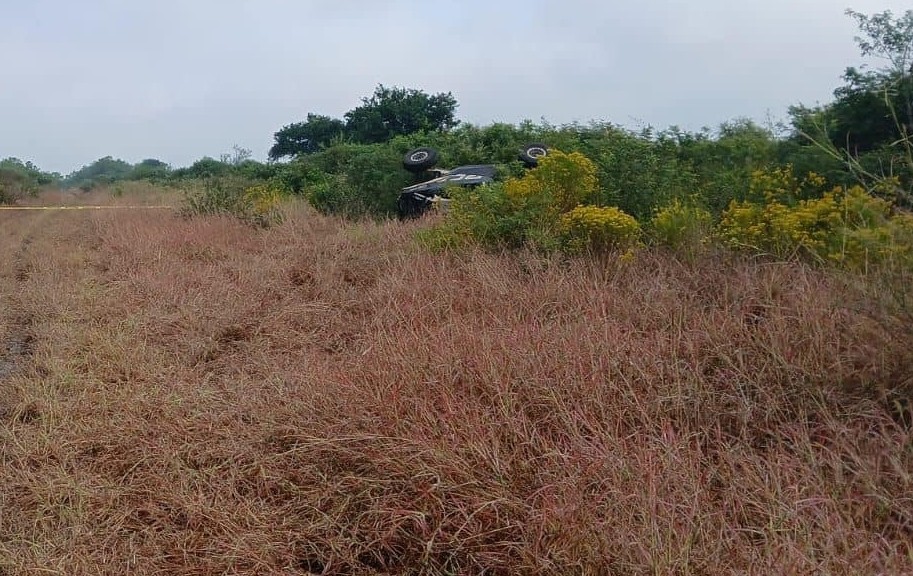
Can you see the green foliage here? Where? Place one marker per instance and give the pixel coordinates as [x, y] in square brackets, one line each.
[638, 172]
[388, 113]
[869, 126]
[13, 185]
[376, 173]
[334, 194]
[105, 170]
[886, 36]
[252, 202]
[844, 226]
[469, 144]
[683, 226]
[544, 209]
[869, 113]
[391, 112]
[237, 163]
[781, 185]
[34, 174]
[722, 166]
[18, 179]
[305, 137]
[560, 183]
[203, 168]
[261, 204]
[488, 216]
[355, 180]
[151, 170]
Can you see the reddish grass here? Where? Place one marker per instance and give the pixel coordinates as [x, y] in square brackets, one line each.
[204, 398]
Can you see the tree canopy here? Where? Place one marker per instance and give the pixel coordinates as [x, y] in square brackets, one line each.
[104, 170]
[391, 112]
[387, 113]
[870, 122]
[305, 137]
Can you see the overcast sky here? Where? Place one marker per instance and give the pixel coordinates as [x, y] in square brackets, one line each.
[178, 80]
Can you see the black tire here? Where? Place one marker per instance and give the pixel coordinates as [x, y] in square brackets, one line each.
[420, 159]
[531, 153]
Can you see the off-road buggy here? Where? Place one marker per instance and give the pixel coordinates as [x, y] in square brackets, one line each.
[433, 183]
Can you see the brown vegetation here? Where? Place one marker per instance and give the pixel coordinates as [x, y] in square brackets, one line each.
[200, 397]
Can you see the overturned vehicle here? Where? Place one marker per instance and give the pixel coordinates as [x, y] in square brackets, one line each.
[433, 183]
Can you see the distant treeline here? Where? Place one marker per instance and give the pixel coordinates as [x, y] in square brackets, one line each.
[352, 165]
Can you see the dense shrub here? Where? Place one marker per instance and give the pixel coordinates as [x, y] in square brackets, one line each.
[636, 171]
[335, 194]
[682, 226]
[486, 215]
[597, 228]
[846, 226]
[18, 179]
[561, 182]
[252, 202]
[545, 208]
[469, 144]
[13, 186]
[353, 180]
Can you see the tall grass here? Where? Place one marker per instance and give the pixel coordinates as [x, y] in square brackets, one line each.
[325, 397]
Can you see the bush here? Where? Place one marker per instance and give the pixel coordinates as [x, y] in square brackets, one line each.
[560, 182]
[261, 204]
[637, 171]
[523, 210]
[335, 194]
[15, 184]
[848, 227]
[252, 202]
[6, 196]
[596, 228]
[544, 208]
[496, 144]
[681, 226]
[489, 216]
[353, 180]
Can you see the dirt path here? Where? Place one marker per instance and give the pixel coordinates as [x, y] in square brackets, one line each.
[15, 269]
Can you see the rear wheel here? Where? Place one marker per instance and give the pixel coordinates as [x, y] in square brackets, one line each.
[531, 153]
[420, 159]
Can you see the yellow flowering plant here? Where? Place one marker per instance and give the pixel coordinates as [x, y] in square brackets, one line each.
[849, 227]
[559, 183]
[597, 228]
[681, 226]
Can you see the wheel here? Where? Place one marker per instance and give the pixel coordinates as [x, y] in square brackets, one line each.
[420, 159]
[531, 153]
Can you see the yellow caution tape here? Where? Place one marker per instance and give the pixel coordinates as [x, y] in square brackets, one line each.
[86, 207]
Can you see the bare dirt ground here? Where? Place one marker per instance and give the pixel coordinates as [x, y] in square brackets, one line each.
[200, 397]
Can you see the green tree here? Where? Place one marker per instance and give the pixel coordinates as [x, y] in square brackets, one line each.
[18, 178]
[391, 112]
[29, 171]
[205, 167]
[869, 126]
[103, 171]
[305, 137]
[13, 185]
[151, 169]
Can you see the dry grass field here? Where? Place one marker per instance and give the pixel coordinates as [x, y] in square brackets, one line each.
[202, 397]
